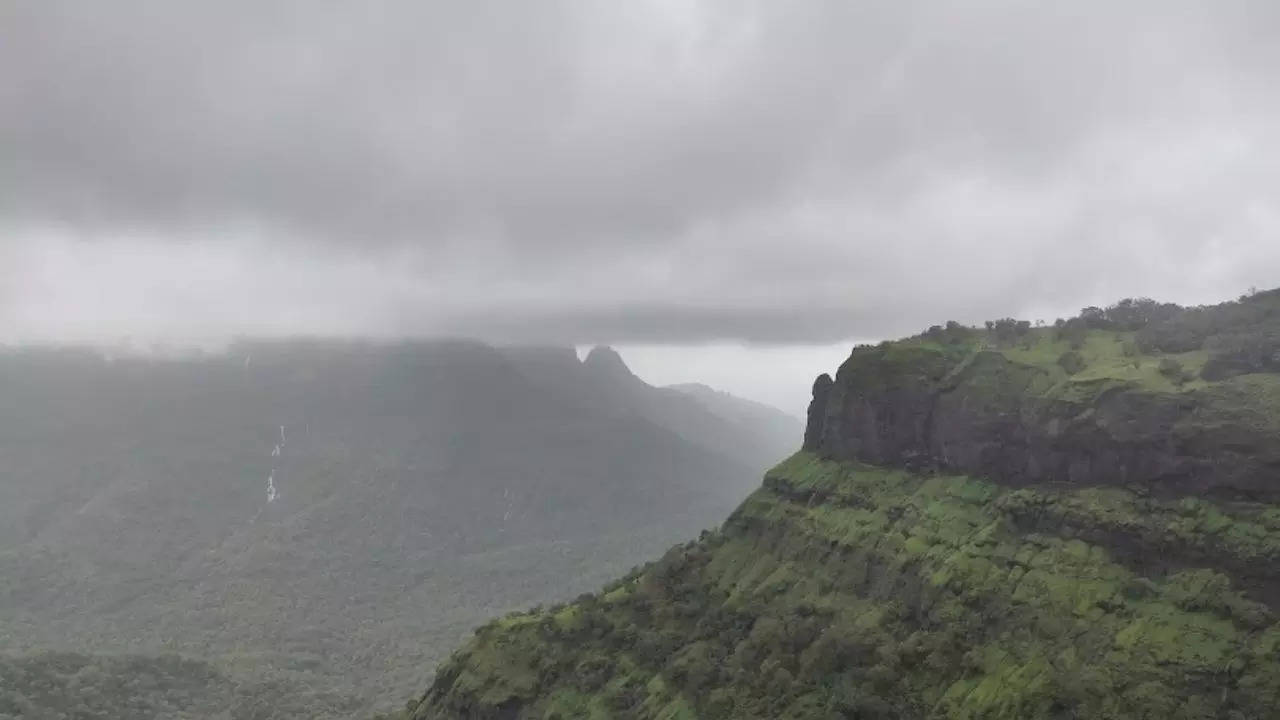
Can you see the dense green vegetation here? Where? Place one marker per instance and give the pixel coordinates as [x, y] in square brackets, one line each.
[841, 590]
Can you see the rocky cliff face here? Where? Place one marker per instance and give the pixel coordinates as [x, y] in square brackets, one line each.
[986, 411]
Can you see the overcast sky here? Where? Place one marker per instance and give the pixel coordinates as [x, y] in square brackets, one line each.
[649, 173]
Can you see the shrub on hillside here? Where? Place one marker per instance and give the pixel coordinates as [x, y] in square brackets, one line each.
[1129, 314]
[1244, 353]
[1072, 362]
[951, 334]
[1173, 370]
[1195, 328]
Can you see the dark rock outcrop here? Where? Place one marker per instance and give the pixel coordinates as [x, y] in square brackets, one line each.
[987, 415]
[817, 411]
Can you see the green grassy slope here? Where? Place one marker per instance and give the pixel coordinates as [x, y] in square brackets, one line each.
[1108, 359]
[841, 590]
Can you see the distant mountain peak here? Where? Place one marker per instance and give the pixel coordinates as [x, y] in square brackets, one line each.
[606, 361]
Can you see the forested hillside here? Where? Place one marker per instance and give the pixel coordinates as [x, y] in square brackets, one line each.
[333, 517]
[1016, 522]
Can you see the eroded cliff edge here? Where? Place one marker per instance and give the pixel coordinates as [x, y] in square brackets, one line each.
[1096, 406]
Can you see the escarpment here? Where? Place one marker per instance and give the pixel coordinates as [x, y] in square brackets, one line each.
[1007, 414]
[1016, 523]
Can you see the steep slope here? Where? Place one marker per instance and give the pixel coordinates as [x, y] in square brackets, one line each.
[1068, 522]
[414, 490]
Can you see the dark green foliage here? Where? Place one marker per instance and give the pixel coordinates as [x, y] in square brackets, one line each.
[1073, 332]
[1128, 315]
[1172, 369]
[1072, 362]
[1007, 330]
[1227, 328]
[952, 333]
[1256, 350]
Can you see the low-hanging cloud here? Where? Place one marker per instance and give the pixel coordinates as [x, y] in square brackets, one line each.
[645, 172]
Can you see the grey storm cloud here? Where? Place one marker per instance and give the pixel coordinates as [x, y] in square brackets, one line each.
[654, 172]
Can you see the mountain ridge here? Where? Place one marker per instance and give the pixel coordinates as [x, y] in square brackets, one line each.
[741, 410]
[929, 554]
